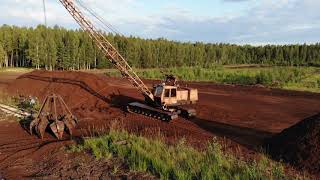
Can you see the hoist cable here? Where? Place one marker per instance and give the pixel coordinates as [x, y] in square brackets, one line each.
[99, 18]
[44, 12]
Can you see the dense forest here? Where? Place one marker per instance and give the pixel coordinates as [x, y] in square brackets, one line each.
[59, 48]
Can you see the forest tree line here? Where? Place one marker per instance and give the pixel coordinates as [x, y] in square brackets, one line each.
[59, 48]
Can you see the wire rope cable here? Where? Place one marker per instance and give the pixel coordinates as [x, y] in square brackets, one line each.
[105, 24]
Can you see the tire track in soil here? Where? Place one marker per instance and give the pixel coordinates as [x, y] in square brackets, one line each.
[18, 154]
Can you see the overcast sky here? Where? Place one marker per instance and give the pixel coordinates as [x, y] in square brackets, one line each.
[229, 21]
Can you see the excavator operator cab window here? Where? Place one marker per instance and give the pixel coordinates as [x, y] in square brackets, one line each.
[167, 93]
[173, 93]
[159, 90]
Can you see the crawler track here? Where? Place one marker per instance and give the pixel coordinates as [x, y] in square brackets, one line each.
[145, 110]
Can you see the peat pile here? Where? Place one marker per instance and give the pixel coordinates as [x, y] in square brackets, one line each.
[86, 94]
[299, 144]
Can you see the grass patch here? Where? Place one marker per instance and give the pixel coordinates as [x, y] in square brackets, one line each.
[178, 161]
[7, 99]
[311, 82]
[296, 78]
[22, 103]
[18, 70]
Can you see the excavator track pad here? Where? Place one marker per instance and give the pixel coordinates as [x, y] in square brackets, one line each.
[146, 110]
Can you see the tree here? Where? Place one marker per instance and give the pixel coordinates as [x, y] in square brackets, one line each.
[33, 51]
[59, 48]
[2, 57]
[51, 51]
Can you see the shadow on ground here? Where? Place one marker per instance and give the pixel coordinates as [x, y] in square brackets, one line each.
[250, 138]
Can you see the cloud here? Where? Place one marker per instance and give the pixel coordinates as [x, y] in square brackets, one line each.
[269, 21]
[235, 0]
[30, 12]
[263, 21]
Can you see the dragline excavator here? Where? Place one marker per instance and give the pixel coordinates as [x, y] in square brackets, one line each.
[165, 101]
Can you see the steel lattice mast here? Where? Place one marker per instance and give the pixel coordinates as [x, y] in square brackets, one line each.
[107, 48]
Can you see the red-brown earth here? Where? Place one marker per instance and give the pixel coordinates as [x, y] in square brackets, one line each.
[246, 117]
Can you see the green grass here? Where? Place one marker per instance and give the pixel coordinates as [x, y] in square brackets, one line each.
[309, 83]
[18, 70]
[296, 78]
[7, 99]
[17, 102]
[178, 161]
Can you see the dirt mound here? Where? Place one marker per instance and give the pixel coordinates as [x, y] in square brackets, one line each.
[299, 144]
[87, 95]
[67, 82]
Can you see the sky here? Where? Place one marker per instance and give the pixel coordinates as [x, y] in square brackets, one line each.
[255, 22]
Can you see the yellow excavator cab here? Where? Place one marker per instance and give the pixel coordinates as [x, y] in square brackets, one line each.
[174, 96]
